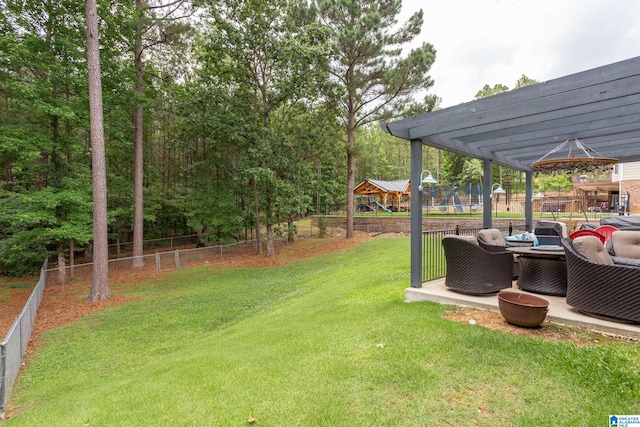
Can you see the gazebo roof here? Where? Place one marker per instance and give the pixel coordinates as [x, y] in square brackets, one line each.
[599, 107]
[376, 186]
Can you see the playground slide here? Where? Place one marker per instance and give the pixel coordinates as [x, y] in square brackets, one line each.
[383, 207]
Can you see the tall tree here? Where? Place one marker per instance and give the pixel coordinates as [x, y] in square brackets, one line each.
[367, 63]
[158, 22]
[43, 160]
[100, 274]
[274, 53]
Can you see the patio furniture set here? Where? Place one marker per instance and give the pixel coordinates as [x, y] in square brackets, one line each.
[598, 271]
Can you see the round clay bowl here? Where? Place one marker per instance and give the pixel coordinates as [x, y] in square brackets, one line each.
[522, 309]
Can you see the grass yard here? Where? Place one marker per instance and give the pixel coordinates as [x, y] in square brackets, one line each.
[326, 341]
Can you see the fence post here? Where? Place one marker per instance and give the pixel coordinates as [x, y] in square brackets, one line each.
[157, 262]
[510, 228]
[3, 378]
[220, 251]
[177, 257]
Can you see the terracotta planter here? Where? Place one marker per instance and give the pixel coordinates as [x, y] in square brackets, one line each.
[522, 309]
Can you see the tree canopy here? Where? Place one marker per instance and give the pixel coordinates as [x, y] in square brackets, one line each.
[229, 119]
[375, 80]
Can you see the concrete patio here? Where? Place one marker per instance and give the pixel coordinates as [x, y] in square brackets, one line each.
[559, 311]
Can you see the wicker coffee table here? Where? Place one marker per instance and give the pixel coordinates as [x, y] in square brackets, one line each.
[543, 270]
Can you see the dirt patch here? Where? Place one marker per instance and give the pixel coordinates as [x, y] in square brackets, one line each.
[12, 300]
[548, 330]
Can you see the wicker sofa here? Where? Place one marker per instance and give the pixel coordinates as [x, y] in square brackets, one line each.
[474, 270]
[596, 285]
[624, 247]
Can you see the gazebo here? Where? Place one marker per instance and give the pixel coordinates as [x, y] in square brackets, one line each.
[389, 193]
[599, 107]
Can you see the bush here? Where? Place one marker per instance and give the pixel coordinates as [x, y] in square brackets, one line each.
[323, 225]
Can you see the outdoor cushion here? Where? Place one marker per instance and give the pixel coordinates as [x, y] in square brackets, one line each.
[626, 243]
[467, 238]
[491, 239]
[592, 248]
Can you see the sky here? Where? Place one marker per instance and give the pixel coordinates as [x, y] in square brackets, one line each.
[481, 42]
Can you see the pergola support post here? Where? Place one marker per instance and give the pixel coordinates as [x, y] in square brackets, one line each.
[528, 202]
[416, 214]
[486, 194]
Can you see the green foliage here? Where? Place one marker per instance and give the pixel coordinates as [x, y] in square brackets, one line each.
[34, 224]
[323, 225]
[275, 55]
[367, 57]
[500, 88]
[472, 171]
[525, 81]
[490, 91]
[248, 111]
[552, 182]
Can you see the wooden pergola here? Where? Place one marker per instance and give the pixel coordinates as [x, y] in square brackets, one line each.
[600, 107]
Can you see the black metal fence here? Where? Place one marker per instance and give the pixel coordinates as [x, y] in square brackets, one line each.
[550, 206]
[434, 264]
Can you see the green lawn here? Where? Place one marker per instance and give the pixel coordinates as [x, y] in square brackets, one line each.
[321, 342]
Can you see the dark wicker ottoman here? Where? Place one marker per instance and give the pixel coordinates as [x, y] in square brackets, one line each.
[543, 275]
[541, 271]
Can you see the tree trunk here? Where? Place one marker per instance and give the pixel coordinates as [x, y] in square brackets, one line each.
[351, 170]
[270, 250]
[62, 268]
[72, 259]
[138, 213]
[99, 277]
[256, 212]
[290, 234]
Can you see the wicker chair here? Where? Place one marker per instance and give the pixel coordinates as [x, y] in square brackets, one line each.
[601, 289]
[473, 270]
[490, 239]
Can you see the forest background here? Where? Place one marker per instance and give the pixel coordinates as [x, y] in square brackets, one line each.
[220, 118]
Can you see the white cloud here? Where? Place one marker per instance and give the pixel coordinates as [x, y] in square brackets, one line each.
[492, 42]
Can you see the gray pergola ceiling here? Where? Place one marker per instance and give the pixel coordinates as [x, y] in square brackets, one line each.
[599, 107]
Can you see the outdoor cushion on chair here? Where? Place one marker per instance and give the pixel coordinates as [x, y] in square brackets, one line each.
[491, 240]
[474, 270]
[626, 243]
[591, 247]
